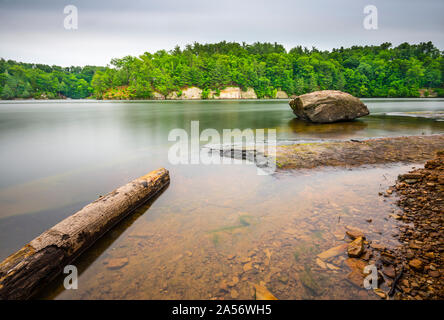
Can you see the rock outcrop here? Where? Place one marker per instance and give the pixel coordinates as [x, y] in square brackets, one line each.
[158, 96]
[328, 106]
[281, 95]
[191, 93]
[249, 94]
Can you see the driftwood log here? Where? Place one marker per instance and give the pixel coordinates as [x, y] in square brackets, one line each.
[23, 273]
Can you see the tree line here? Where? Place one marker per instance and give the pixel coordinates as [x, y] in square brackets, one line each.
[39, 81]
[363, 71]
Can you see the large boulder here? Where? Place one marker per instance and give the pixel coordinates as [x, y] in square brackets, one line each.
[328, 106]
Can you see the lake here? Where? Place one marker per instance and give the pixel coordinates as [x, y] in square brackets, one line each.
[195, 239]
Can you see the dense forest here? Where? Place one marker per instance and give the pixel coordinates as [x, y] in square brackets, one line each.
[363, 71]
[27, 80]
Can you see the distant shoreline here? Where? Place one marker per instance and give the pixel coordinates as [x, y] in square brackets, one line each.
[228, 99]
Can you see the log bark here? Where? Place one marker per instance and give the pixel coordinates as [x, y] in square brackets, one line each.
[23, 273]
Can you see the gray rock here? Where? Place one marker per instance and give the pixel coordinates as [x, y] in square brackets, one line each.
[328, 106]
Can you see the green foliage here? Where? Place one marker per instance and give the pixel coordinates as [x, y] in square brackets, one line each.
[370, 71]
[7, 93]
[206, 93]
[364, 71]
[26, 80]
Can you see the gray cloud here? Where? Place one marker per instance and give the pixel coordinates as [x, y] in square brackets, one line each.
[33, 30]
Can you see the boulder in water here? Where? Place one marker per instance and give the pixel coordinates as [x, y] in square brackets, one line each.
[328, 106]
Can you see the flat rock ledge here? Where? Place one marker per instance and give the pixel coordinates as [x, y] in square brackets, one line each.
[358, 152]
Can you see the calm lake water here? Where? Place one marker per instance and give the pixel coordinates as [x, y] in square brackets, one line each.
[194, 241]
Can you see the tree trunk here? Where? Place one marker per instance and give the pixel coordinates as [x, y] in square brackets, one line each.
[23, 273]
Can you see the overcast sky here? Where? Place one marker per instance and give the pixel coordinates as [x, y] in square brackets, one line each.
[33, 30]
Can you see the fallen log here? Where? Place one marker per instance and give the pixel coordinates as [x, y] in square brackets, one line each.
[23, 273]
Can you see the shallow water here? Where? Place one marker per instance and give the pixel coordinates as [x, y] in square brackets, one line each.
[55, 157]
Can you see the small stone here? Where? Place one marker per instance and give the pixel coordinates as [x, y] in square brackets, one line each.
[416, 264]
[234, 294]
[356, 248]
[414, 245]
[117, 263]
[354, 233]
[380, 293]
[247, 267]
[283, 278]
[333, 252]
[389, 271]
[434, 273]
[262, 293]
[234, 281]
[245, 259]
[332, 267]
[223, 286]
[356, 278]
[377, 246]
[321, 263]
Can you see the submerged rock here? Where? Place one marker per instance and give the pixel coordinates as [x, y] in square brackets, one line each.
[356, 248]
[262, 293]
[332, 252]
[354, 233]
[328, 106]
[116, 263]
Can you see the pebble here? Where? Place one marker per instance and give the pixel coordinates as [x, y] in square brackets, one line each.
[116, 263]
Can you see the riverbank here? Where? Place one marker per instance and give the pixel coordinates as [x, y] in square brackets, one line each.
[351, 153]
[174, 97]
[421, 199]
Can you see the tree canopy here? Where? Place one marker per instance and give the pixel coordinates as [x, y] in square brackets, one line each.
[28, 80]
[363, 71]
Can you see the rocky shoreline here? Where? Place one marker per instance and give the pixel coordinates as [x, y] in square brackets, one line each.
[352, 153]
[421, 255]
[413, 270]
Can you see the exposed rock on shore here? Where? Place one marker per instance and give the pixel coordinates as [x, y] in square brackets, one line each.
[328, 106]
[357, 153]
[192, 93]
[281, 95]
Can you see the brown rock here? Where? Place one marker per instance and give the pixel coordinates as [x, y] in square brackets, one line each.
[354, 233]
[117, 263]
[416, 264]
[328, 106]
[333, 252]
[234, 294]
[356, 248]
[247, 267]
[356, 265]
[262, 293]
[434, 273]
[356, 278]
[389, 271]
[380, 293]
